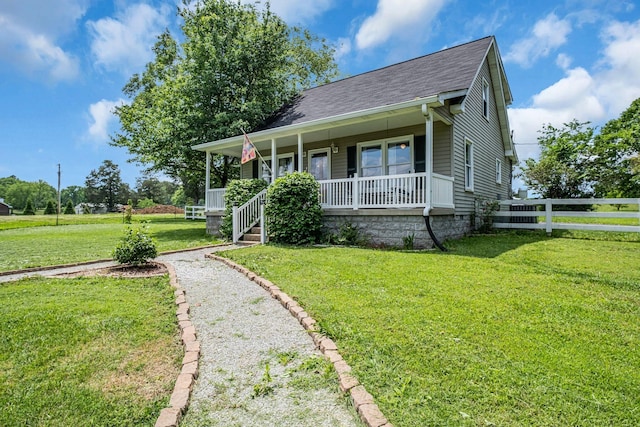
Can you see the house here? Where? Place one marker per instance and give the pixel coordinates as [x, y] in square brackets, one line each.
[5, 209]
[90, 208]
[425, 138]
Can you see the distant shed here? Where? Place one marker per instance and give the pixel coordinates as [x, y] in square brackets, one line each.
[5, 209]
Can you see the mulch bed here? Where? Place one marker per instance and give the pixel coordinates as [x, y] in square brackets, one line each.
[150, 269]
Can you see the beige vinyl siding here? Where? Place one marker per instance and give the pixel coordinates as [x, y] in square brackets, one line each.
[488, 146]
[442, 148]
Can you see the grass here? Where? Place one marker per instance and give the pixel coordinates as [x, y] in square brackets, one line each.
[86, 351]
[36, 246]
[26, 221]
[506, 329]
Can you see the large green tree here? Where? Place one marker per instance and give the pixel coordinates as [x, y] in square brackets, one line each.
[20, 191]
[150, 187]
[237, 65]
[562, 169]
[73, 194]
[104, 185]
[616, 152]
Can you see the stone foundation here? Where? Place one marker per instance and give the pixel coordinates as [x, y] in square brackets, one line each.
[390, 228]
[214, 221]
[383, 227]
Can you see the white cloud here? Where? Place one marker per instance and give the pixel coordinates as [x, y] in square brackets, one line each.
[596, 96]
[343, 48]
[564, 61]
[101, 118]
[393, 17]
[296, 11]
[124, 43]
[547, 34]
[29, 30]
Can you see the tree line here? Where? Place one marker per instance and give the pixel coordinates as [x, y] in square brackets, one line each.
[577, 161]
[102, 186]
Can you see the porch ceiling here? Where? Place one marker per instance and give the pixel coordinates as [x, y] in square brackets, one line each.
[334, 130]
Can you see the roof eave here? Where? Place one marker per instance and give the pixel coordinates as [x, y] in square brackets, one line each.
[343, 119]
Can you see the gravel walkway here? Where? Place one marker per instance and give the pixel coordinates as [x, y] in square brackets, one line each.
[258, 366]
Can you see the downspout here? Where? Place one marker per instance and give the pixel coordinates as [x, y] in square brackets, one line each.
[428, 114]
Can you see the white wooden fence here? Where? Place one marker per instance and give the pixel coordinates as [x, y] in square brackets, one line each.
[527, 218]
[194, 212]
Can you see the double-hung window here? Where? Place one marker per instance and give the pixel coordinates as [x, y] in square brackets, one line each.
[386, 157]
[284, 165]
[485, 99]
[468, 165]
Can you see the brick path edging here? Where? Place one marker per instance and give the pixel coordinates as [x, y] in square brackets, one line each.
[362, 401]
[179, 401]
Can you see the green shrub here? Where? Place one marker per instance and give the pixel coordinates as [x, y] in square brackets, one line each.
[293, 211]
[50, 209]
[239, 191]
[28, 209]
[145, 203]
[349, 235]
[135, 248]
[68, 209]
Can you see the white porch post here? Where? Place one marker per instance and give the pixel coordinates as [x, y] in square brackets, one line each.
[428, 114]
[207, 184]
[300, 164]
[274, 160]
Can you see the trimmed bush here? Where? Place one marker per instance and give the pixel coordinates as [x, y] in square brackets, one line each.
[239, 191]
[293, 211]
[28, 209]
[50, 209]
[135, 248]
[68, 209]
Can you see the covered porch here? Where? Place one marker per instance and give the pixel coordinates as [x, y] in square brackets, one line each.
[391, 157]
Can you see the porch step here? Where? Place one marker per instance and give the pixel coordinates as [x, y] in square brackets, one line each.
[253, 235]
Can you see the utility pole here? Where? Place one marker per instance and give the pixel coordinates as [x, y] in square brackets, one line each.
[58, 211]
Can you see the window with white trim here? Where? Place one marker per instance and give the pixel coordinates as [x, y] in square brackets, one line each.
[485, 99]
[386, 157]
[284, 165]
[498, 171]
[468, 165]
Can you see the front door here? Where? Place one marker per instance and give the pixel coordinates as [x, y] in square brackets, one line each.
[320, 163]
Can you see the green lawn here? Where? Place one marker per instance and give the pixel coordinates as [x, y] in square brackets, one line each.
[86, 351]
[25, 221]
[506, 329]
[36, 246]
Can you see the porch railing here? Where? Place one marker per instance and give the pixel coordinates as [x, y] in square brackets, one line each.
[215, 199]
[247, 215]
[391, 191]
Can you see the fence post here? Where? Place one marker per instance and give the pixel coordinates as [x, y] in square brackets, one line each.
[548, 208]
[234, 221]
[263, 224]
[356, 192]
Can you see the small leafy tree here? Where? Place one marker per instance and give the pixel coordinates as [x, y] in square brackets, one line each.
[135, 248]
[50, 209]
[68, 209]
[293, 209]
[239, 192]
[28, 209]
[128, 211]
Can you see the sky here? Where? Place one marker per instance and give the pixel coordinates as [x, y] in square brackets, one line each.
[63, 64]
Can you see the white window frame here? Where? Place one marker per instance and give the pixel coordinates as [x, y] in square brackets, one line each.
[498, 171]
[384, 145]
[485, 99]
[468, 165]
[268, 159]
[310, 154]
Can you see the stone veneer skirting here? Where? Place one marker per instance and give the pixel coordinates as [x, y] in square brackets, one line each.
[388, 227]
[384, 227]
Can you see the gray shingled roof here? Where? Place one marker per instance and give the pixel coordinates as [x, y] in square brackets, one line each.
[444, 71]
